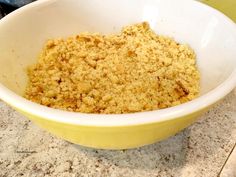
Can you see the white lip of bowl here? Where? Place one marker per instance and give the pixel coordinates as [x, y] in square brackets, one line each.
[118, 119]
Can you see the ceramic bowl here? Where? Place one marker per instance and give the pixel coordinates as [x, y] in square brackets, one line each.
[211, 34]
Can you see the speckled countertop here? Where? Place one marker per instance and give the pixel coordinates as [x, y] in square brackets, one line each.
[201, 150]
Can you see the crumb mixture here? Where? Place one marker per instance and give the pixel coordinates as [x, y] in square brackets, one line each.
[135, 70]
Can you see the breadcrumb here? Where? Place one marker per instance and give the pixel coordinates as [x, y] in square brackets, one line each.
[136, 70]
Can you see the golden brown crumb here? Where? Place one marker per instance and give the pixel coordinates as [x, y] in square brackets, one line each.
[133, 71]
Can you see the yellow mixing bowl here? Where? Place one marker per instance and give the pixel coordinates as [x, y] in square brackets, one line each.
[226, 6]
[211, 34]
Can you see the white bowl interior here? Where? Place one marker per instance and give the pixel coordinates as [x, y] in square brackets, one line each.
[23, 32]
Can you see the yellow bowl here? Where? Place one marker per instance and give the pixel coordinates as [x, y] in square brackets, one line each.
[210, 33]
[226, 6]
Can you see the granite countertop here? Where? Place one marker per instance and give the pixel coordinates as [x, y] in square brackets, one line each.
[201, 150]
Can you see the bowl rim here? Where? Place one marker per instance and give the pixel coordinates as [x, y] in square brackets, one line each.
[114, 120]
